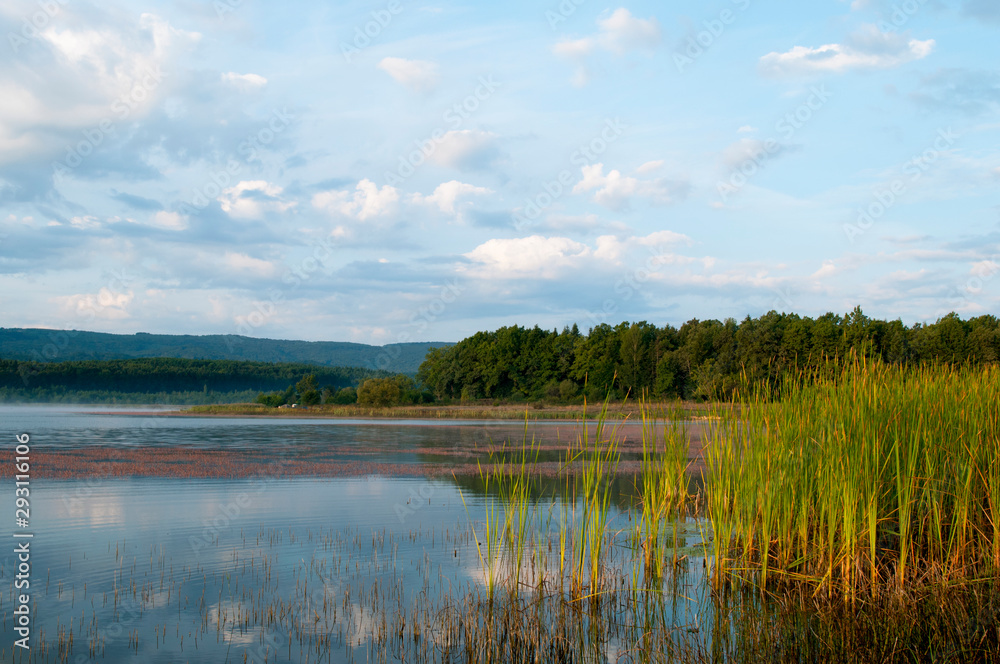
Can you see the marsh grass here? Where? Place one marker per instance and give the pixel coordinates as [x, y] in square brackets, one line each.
[508, 535]
[663, 489]
[596, 453]
[875, 477]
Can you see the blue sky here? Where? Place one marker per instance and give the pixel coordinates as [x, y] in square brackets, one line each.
[403, 171]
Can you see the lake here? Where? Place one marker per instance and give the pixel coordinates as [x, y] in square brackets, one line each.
[180, 539]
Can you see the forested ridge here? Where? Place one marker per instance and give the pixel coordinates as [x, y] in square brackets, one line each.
[159, 378]
[75, 345]
[700, 360]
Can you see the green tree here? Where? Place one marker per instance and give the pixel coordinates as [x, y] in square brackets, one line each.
[272, 400]
[379, 392]
[346, 396]
[307, 384]
[568, 390]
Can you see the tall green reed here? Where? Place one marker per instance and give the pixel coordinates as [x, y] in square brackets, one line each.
[663, 486]
[596, 454]
[860, 476]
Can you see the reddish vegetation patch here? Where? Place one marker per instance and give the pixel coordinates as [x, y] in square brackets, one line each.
[185, 462]
[228, 463]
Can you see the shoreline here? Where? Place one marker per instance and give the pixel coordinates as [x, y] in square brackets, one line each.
[508, 413]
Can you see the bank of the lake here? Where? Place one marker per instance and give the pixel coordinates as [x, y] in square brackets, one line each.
[628, 410]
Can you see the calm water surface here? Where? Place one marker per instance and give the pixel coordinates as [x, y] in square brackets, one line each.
[178, 570]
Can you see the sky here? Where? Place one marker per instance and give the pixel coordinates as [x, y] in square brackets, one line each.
[399, 171]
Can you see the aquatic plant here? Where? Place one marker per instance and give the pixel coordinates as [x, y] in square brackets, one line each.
[859, 478]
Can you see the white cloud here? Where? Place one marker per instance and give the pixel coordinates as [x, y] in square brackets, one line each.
[827, 270]
[614, 190]
[94, 72]
[417, 75]
[617, 33]
[530, 256]
[549, 257]
[248, 264]
[749, 149]
[618, 250]
[466, 150]
[621, 32]
[86, 221]
[985, 269]
[105, 304]
[868, 48]
[250, 199]
[446, 195]
[650, 166]
[574, 48]
[367, 201]
[170, 220]
[244, 82]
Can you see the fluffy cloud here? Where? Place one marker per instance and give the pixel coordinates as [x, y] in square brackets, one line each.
[530, 256]
[85, 222]
[170, 220]
[549, 257]
[244, 82]
[446, 195]
[621, 32]
[828, 269]
[868, 48]
[617, 33]
[747, 150]
[248, 264]
[615, 190]
[467, 150]
[416, 75]
[660, 244]
[251, 199]
[101, 72]
[365, 202]
[649, 167]
[104, 304]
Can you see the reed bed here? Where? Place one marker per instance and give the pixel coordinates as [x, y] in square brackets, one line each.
[860, 480]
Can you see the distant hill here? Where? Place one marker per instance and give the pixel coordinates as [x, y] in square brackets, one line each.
[72, 345]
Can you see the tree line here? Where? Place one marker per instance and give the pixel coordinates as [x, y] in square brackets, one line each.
[157, 377]
[701, 360]
[374, 392]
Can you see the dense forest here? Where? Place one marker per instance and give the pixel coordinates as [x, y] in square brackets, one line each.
[700, 360]
[163, 380]
[74, 345]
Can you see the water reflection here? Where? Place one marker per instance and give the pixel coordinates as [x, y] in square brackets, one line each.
[277, 567]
